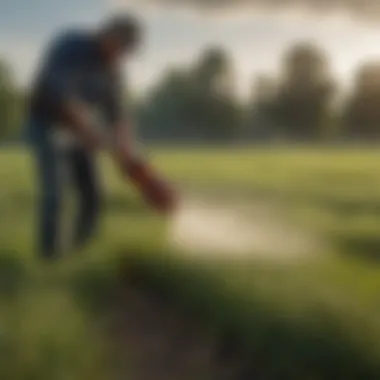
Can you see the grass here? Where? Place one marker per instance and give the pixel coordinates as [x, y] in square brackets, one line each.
[305, 321]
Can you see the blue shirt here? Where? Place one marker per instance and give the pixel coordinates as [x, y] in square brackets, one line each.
[73, 66]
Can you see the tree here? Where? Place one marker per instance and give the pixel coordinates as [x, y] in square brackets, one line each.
[305, 92]
[215, 109]
[213, 71]
[259, 121]
[362, 111]
[165, 113]
[10, 103]
[193, 104]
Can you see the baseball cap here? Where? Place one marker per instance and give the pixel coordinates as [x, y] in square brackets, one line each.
[126, 27]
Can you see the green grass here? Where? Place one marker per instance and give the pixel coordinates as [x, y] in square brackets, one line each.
[305, 321]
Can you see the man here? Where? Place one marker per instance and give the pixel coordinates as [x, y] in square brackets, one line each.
[80, 74]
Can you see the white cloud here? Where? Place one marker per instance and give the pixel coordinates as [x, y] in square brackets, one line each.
[360, 9]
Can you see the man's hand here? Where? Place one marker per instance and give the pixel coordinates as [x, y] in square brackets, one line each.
[156, 192]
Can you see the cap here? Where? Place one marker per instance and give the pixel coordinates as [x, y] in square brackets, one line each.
[126, 27]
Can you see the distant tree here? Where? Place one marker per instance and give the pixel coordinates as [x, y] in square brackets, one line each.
[213, 71]
[264, 90]
[215, 108]
[165, 113]
[10, 103]
[259, 114]
[305, 92]
[362, 109]
[193, 104]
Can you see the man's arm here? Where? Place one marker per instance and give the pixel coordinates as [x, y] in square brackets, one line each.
[140, 172]
[130, 160]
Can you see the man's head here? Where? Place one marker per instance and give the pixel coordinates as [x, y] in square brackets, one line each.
[119, 36]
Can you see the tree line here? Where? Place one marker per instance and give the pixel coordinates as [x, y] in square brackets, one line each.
[303, 103]
[199, 103]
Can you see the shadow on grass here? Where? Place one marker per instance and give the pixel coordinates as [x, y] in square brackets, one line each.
[348, 207]
[119, 204]
[18, 203]
[324, 342]
[267, 340]
[360, 247]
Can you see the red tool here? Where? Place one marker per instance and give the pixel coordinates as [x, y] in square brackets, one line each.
[155, 190]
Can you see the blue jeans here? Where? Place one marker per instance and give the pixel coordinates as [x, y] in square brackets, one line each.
[56, 166]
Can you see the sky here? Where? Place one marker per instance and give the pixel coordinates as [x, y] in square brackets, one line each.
[256, 37]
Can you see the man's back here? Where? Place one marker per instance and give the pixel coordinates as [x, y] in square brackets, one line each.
[72, 67]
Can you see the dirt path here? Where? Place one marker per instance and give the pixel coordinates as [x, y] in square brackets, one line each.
[154, 342]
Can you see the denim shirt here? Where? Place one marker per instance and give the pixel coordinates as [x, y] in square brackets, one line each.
[73, 67]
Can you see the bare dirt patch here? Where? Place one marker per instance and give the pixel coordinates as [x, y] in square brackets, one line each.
[154, 341]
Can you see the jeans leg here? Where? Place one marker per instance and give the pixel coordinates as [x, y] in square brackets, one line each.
[50, 176]
[87, 186]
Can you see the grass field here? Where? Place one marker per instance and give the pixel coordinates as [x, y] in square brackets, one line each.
[312, 320]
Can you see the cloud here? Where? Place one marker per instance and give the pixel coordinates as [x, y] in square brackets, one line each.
[360, 9]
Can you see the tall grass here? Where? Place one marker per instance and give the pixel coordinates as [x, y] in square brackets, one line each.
[291, 322]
